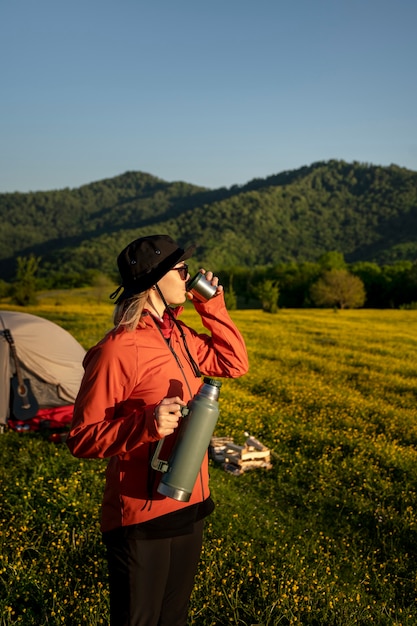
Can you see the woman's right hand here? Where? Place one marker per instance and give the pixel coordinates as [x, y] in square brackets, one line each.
[167, 415]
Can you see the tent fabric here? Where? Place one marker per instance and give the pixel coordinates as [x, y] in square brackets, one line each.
[56, 418]
[49, 356]
[4, 380]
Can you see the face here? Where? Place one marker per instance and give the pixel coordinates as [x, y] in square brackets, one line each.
[173, 284]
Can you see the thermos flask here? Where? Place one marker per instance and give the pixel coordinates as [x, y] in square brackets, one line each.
[196, 428]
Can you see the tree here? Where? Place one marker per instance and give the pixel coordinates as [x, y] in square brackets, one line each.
[102, 285]
[332, 260]
[4, 288]
[230, 297]
[23, 289]
[338, 288]
[267, 292]
[374, 281]
[294, 282]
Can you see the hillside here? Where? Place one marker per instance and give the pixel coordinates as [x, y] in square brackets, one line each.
[369, 213]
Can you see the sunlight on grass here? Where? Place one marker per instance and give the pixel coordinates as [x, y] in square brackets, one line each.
[327, 537]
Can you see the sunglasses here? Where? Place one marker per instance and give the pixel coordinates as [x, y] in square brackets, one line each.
[182, 271]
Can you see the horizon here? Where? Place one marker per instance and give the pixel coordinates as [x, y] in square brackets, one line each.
[99, 180]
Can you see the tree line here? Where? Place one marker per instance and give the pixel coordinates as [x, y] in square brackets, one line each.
[328, 282]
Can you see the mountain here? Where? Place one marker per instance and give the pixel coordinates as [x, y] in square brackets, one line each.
[366, 212]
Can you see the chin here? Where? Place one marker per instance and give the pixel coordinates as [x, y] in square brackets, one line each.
[180, 300]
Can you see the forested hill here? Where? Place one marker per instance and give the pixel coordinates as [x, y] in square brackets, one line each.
[365, 212]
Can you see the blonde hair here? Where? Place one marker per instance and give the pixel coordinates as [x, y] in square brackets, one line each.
[129, 312]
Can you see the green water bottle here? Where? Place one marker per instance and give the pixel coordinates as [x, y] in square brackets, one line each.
[196, 428]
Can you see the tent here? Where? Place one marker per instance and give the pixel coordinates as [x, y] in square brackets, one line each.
[49, 362]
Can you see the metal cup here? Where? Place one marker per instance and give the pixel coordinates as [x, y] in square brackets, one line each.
[201, 288]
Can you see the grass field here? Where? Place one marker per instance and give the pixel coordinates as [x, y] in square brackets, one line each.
[326, 537]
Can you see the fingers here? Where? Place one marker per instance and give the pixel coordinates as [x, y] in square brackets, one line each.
[211, 278]
[214, 280]
[167, 415]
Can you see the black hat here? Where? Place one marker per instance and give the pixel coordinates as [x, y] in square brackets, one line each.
[145, 261]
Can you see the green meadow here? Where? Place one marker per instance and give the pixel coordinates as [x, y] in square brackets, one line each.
[326, 537]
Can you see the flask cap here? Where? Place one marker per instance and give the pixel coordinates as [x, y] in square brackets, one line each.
[212, 381]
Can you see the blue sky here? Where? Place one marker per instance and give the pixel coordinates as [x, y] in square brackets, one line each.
[212, 93]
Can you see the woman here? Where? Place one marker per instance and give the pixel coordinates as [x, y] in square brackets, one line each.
[136, 380]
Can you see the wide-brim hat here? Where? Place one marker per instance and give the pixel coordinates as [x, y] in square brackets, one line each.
[145, 261]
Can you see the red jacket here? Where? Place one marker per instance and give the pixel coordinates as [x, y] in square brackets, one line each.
[126, 375]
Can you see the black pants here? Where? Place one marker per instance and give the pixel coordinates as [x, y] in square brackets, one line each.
[151, 580]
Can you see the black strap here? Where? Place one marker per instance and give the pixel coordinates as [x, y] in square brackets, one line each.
[193, 364]
[7, 333]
